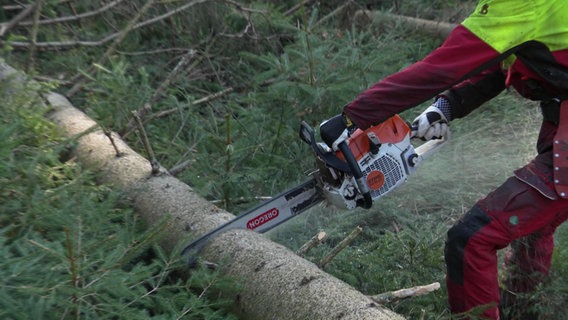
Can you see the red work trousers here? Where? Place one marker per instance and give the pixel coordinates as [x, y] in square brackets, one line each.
[524, 212]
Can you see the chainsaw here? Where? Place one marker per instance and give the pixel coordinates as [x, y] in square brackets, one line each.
[367, 166]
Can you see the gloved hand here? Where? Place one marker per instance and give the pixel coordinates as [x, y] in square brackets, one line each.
[336, 130]
[430, 124]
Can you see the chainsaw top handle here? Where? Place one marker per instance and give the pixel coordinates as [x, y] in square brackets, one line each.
[367, 201]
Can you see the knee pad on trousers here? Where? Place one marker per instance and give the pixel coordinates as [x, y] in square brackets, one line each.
[457, 239]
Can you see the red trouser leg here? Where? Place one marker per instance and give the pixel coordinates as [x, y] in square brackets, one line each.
[529, 259]
[514, 210]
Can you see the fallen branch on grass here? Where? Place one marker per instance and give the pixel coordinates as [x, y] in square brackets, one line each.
[405, 293]
[344, 243]
[313, 242]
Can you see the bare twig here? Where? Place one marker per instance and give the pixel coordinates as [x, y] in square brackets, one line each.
[211, 97]
[180, 167]
[314, 241]
[30, 65]
[168, 112]
[344, 243]
[74, 17]
[104, 40]
[79, 78]
[5, 27]
[296, 7]
[405, 293]
[241, 8]
[14, 7]
[108, 133]
[333, 13]
[184, 61]
[147, 146]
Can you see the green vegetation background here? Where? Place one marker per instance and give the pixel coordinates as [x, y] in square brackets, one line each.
[74, 249]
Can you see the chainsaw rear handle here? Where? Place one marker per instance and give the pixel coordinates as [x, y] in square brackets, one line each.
[358, 175]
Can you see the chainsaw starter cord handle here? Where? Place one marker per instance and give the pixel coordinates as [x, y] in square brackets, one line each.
[358, 175]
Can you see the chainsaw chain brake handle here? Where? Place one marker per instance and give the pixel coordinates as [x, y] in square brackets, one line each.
[307, 134]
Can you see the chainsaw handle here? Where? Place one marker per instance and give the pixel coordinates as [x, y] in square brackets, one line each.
[357, 174]
[428, 148]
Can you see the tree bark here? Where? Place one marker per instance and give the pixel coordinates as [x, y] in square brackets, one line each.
[437, 29]
[277, 283]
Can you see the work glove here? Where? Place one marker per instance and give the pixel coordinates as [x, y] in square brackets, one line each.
[336, 130]
[432, 123]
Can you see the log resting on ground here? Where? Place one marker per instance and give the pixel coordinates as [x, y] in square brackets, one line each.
[276, 283]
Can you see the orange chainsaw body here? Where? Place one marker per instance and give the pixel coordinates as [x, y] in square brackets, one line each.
[393, 130]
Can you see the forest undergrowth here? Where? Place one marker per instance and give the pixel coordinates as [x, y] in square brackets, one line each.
[222, 89]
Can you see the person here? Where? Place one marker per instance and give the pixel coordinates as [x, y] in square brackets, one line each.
[502, 43]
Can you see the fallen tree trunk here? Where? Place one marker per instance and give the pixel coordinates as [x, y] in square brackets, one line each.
[278, 284]
[437, 29]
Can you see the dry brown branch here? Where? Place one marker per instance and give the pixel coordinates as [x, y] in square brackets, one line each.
[146, 142]
[211, 97]
[74, 17]
[5, 27]
[147, 108]
[110, 37]
[405, 293]
[175, 170]
[296, 7]
[108, 133]
[344, 243]
[241, 8]
[30, 65]
[80, 78]
[333, 13]
[14, 7]
[196, 102]
[313, 242]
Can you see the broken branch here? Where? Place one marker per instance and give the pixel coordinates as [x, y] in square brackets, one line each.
[5, 27]
[344, 243]
[313, 242]
[405, 293]
[146, 143]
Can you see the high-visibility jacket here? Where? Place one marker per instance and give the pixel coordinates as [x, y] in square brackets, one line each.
[503, 43]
